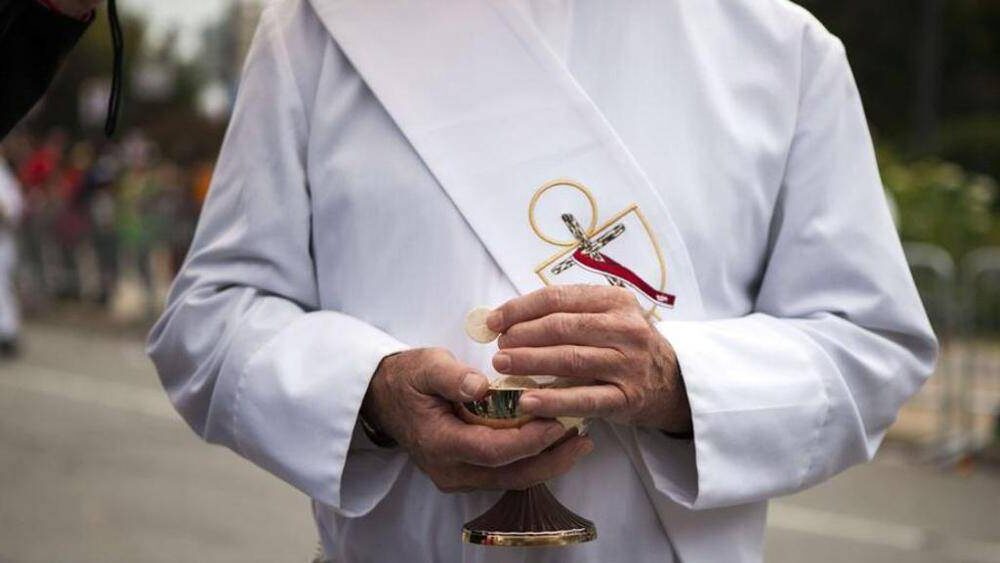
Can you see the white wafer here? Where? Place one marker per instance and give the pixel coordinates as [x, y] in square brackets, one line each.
[475, 326]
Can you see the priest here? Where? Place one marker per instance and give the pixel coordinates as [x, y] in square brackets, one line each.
[674, 205]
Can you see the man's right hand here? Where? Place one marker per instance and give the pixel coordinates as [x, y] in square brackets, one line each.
[411, 398]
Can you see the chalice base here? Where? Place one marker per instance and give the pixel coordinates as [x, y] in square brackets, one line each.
[529, 518]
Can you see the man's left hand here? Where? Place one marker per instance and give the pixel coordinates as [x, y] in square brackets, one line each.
[627, 371]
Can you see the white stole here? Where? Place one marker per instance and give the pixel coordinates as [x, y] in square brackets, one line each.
[494, 115]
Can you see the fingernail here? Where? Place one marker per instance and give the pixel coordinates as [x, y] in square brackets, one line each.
[494, 320]
[528, 404]
[472, 385]
[501, 362]
[585, 448]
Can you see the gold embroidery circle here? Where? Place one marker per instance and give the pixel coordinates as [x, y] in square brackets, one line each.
[555, 184]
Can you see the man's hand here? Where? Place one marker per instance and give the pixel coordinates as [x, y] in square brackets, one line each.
[411, 398]
[599, 335]
[75, 8]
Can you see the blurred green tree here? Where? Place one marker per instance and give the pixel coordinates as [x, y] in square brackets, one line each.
[941, 202]
[929, 75]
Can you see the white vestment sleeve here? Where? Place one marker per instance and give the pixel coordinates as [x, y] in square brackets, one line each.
[243, 351]
[807, 384]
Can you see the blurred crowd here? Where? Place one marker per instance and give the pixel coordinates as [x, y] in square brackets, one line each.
[106, 222]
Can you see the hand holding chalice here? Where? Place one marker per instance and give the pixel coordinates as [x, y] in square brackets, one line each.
[530, 517]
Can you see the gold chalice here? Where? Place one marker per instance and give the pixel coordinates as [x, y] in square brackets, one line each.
[528, 518]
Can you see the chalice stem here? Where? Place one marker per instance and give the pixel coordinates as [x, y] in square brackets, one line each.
[530, 517]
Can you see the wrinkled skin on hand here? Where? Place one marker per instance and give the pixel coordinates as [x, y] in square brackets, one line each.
[599, 335]
[411, 398]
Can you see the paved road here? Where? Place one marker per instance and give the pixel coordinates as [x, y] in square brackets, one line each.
[96, 467]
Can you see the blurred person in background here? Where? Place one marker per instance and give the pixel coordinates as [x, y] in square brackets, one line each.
[44, 159]
[35, 36]
[40, 177]
[201, 180]
[11, 206]
[100, 202]
[140, 221]
[71, 221]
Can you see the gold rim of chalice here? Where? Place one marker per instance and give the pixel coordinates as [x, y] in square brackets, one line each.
[532, 517]
[498, 409]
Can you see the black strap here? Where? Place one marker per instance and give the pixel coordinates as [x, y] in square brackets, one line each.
[118, 43]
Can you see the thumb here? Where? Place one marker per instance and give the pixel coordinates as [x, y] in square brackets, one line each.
[453, 381]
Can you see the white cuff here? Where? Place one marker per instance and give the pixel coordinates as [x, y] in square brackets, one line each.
[294, 405]
[757, 406]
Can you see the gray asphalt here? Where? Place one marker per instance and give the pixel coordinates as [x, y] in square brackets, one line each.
[96, 467]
